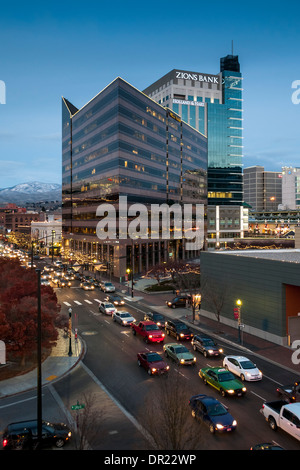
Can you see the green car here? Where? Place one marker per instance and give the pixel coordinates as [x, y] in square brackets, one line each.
[223, 380]
[179, 354]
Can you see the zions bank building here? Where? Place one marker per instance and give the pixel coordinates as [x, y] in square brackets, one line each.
[212, 104]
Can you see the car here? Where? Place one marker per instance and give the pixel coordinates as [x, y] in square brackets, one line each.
[87, 286]
[114, 299]
[124, 318]
[107, 308]
[156, 317]
[178, 329]
[212, 413]
[178, 301]
[266, 446]
[152, 362]
[179, 353]
[222, 380]
[206, 346]
[24, 435]
[107, 287]
[148, 330]
[242, 367]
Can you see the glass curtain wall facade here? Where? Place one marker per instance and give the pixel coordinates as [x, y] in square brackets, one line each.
[212, 104]
[122, 143]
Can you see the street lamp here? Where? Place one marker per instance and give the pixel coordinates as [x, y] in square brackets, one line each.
[239, 305]
[70, 332]
[128, 272]
[53, 235]
[39, 358]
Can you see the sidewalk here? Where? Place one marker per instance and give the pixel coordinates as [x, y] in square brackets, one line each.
[60, 363]
[54, 367]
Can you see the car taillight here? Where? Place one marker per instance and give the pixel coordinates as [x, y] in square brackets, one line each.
[5, 441]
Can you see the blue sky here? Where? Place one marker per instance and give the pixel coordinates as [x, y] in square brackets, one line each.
[74, 49]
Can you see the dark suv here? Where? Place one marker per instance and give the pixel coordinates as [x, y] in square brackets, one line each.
[156, 317]
[178, 329]
[206, 346]
[24, 435]
[178, 301]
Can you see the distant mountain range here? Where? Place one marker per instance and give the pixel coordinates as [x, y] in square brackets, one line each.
[31, 192]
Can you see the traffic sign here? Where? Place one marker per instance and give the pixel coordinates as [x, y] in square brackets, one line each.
[78, 406]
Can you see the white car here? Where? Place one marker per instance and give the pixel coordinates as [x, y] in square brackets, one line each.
[242, 367]
[107, 308]
[124, 318]
[108, 287]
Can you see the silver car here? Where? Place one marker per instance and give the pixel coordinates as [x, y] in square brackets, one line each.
[124, 318]
[107, 308]
[108, 287]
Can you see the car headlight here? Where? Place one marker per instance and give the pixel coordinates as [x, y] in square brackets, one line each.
[234, 423]
[181, 361]
[210, 351]
[181, 335]
[194, 359]
[69, 434]
[163, 335]
[221, 351]
[168, 367]
[244, 389]
[150, 336]
[124, 322]
[219, 426]
[230, 391]
[153, 369]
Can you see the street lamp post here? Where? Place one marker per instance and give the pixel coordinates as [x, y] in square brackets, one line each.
[239, 304]
[70, 332]
[39, 359]
[53, 234]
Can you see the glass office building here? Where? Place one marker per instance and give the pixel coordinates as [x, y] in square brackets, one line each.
[212, 104]
[122, 143]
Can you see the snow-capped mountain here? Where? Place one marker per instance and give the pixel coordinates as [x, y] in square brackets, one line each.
[31, 192]
[33, 187]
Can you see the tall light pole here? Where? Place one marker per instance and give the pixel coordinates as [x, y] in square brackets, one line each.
[70, 332]
[39, 358]
[239, 304]
[53, 235]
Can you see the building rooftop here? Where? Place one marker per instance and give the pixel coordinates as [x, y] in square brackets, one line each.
[288, 255]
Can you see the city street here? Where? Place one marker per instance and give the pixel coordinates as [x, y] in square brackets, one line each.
[109, 369]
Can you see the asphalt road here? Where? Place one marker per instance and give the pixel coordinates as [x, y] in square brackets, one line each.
[109, 372]
[111, 357]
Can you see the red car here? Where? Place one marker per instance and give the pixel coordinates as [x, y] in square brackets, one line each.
[152, 362]
[148, 330]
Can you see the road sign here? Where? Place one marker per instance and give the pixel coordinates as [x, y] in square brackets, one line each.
[78, 406]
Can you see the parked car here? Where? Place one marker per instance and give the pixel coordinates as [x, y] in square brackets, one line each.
[124, 318]
[156, 317]
[178, 301]
[206, 346]
[107, 308]
[222, 380]
[179, 353]
[266, 446]
[24, 435]
[152, 362]
[212, 413]
[114, 299]
[242, 367]
[178, 329]
[107, 287]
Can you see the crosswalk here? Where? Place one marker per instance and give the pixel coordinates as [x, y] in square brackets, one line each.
[80, 303]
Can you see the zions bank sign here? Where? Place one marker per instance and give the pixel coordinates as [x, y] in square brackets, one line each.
[197, 77]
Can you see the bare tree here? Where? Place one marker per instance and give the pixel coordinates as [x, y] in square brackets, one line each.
[167, 417]
[215, 296]
[88, 421]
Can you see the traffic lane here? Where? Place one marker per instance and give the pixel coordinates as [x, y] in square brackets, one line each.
[130, 385]
[122, 382]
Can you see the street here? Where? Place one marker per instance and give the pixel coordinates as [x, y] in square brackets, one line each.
[110, 372]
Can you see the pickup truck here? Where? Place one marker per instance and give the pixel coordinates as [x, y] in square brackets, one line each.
[290, 393]
[283, 415]
[148, 330]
